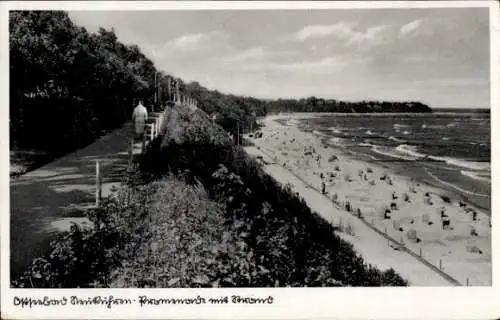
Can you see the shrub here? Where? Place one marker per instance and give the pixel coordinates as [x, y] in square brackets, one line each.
[226, 224]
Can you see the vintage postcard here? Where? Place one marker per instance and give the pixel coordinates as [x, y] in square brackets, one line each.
[277, 160]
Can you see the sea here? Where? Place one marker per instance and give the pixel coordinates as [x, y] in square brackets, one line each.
[449, 149]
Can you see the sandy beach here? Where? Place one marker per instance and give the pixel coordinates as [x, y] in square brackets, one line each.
[452, 236]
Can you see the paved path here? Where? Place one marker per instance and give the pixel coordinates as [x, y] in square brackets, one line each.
[45, 201]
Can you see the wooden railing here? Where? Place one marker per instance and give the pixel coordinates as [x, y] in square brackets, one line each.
[153, 128]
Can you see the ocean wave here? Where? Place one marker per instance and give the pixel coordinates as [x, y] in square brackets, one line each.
[390, 153]
[455, 187]
[406, 132]
[292, 122]
[409, 150]
[365, 144]
[336, 140]
[467, 164]
[397, 125]
[474, 165]
[451, 124]
[445, 138]
[395, 139]
[369, 132]
[434, 126]
[317, 133]
[335, 130]
[475, 175]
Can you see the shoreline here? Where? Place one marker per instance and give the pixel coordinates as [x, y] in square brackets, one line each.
[454, 250]
[451, 190]
[426, 171]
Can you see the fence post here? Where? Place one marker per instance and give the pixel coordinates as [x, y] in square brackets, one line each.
[420, 251]
[440, 264]
[143, 150]
[98, 182]
[467, 282]
[130, 153]
[152, 132]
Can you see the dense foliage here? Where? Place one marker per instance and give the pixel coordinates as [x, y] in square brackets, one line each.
[231, 110]
[159, 234]
[66, 85]
[313, 104]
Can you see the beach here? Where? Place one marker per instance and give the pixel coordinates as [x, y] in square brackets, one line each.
[440, 231]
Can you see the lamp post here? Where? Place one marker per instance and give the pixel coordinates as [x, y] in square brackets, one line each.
[238, 132]
[156, 92]
[251, 122]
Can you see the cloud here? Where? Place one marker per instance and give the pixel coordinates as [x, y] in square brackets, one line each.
[198, 40]
[372, 36]
[340, 29]
[322, 66]
[251, 54]
[348, 33]
[194, 44]
[410, 28]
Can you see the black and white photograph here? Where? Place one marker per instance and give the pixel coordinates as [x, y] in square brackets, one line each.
[249, 148]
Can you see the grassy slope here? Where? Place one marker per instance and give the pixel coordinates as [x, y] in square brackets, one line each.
[289, 245]
[202, 214]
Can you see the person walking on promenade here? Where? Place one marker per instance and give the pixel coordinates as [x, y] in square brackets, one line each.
[139, 117]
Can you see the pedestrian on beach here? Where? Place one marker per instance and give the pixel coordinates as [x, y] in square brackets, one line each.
[443, 214]
[139, 117]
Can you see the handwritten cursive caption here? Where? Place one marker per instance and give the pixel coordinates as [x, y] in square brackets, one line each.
[143, 301]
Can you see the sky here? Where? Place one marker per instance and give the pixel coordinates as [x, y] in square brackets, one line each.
[437, 56]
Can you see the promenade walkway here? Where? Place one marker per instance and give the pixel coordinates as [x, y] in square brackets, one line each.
[47, 200]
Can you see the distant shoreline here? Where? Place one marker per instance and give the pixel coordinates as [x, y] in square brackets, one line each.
[434, 112]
